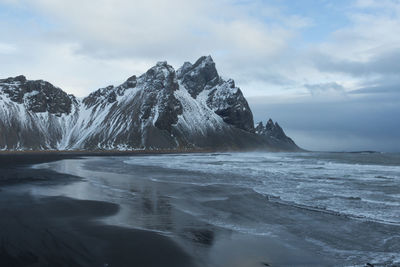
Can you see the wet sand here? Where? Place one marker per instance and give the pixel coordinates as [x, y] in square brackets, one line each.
[61, 231]
[41, 229]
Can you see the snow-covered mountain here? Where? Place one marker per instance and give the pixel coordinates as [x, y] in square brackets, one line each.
[191, 108]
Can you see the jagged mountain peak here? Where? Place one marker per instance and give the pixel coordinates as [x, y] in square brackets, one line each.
[259, 128]
[161, 76]
[204, 62]
[107, 94]
[162, 64]
[199, 76]
[37, 95]
[161, 67]
[19, 78]
[132, 78]
[270, 125]
[201, 62]
[184, 69]
[274, 131]
[192, 107]
[268, 128]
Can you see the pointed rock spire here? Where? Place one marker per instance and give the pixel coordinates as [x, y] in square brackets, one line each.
[259, 128]
[270, 125]
[199, 76]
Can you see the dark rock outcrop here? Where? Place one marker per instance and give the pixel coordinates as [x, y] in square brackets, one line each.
[222, 96]
[228, 102]
[33, 114]
[200, 76]
[275, 134]
[38, 96]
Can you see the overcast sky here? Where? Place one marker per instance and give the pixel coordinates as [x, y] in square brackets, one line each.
[327, 70]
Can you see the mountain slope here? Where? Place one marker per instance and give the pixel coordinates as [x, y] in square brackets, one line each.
[191, 108]
[33, 114]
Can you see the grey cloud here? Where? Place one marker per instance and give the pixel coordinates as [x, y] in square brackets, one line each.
[166, 29]
[86, 47]
[276, 79]
[319, 88]
[349, 123]
[383, 63]
[382, 89]
[118, 37]
[388, 84]
[264, 75]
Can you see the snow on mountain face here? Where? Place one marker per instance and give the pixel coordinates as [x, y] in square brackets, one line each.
[223, 97]
[162, 109]
[140, 113]
[37, 96]
[33, 114]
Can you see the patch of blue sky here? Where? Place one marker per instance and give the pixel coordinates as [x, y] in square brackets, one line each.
[322, 17]
[22, 16]
[326, 16]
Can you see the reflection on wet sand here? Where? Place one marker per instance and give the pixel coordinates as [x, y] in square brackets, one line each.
[174, 209]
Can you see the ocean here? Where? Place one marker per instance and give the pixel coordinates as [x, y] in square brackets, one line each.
[244, 209]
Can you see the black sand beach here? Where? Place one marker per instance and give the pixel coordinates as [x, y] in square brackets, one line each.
[208, 210]
[40, 230]
[61, 231]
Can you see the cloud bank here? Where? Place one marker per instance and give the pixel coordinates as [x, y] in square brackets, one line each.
[345, 53]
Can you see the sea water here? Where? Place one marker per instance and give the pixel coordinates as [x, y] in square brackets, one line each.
[343, 206]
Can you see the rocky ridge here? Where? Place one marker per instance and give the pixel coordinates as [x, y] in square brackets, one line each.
[275, 134]
[191, 108]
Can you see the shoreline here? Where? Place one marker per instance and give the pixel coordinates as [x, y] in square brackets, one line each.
[30, 157]
[117, 214]
[112, 152]
[57, 230]
[101, 151]
[41, 230]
